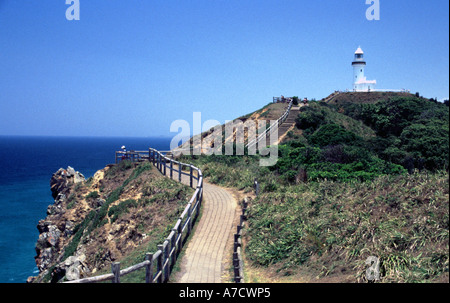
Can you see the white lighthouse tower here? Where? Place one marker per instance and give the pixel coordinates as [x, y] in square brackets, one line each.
[360, 83]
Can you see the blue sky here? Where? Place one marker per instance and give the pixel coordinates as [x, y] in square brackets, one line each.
[130, 68]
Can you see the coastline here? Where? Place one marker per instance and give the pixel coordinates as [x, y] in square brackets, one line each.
[28, 163]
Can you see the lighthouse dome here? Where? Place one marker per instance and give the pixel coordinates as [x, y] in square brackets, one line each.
[359, 51]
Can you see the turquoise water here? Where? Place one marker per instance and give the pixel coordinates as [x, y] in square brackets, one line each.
[26, 166]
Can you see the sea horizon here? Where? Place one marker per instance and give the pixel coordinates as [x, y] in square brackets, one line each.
[27, 164]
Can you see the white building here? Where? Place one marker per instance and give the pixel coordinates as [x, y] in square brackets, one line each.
[360, 83]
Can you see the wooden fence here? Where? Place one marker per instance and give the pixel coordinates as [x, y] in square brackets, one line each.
[271, 127]
[159, 265]
[132, 155]
[238, 263]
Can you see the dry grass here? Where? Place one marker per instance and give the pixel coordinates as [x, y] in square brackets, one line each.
[272, 111]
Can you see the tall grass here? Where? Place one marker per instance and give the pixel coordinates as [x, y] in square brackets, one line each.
[328, 225]
[329, 228]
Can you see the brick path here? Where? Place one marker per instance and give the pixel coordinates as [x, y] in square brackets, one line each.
[205, 252]
[202, 262]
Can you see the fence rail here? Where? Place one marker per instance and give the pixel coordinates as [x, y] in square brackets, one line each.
[271, 127]
[159, 265]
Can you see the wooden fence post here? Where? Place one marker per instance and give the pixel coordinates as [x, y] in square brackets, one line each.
[191, 172]
[165, 258]
[242, 219]
[149, 268]
[180, 233]
[244, 205]
[189, 217]
[165, 164]
[179, 172]
[201, 194]
[160, 263]
[168, 248]
[171, 170]
[115, 268]
[174, 246]
[256, 186]
[197, 199]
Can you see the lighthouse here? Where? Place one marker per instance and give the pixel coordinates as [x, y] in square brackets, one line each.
[360, 83]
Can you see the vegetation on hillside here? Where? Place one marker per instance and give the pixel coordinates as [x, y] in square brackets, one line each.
[362, 179]
[120, 214]
[329, 230]
[365, 140]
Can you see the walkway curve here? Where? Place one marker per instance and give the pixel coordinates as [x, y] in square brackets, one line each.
[205, 253]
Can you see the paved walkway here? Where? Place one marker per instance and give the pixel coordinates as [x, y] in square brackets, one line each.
[205, 253]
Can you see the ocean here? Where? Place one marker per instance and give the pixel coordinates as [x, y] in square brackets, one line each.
[26, 166]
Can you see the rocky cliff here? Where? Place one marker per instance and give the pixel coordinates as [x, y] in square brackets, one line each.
[57, 227]
[120, 210]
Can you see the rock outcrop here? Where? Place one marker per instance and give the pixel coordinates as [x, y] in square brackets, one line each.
[61, 181]
[56, 228]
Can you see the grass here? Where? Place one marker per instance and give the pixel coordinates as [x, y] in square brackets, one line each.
[325, 230]
[328, 228]
[231, 171]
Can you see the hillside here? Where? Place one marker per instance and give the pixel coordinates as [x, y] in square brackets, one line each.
[364, 97]
[353, 179]
[121, 213]
[271, 111]
[325, 231]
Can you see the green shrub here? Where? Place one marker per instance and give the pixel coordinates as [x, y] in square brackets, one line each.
[93, 195]
[430, 142]
[117, 210]
[309, 118]
[332, 134]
